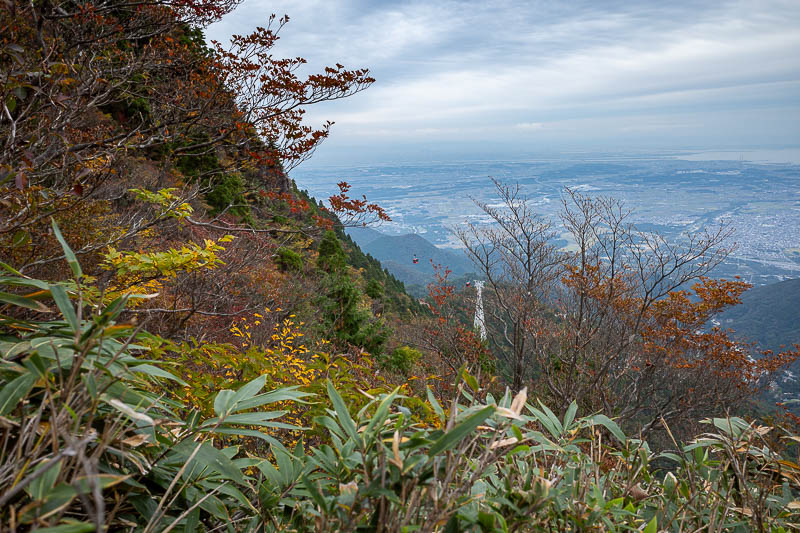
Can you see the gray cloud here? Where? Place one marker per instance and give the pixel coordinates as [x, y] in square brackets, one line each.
[558, 72]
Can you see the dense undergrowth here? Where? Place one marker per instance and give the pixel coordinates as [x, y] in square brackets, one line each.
[97, 433]
[189, 342]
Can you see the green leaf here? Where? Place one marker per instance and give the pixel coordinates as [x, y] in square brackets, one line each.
[546, 421]
[381, 412]
[10, 269]
[610, 425]
[21, 301]
[68, 253]
[74, 527]
[652, 527]
[86, 484]
[672, 457]
[570, 415]
[248, 391]
[522, 448]
[248, 433]
[616, 502]
[20, 238]
[192, 521]
[158, 372]
[223, 402]
[280, 395]
[116, 307]
[13, 392]
[435, 404]
[329, 424]
[469, 379]
[65, 306]
[58, 498]
[341, 412]
[554, 421]
[210, 457]
[41, 486]
[235, 493]
[461, 430]
[316, 495]
[486, 521]
[36, 365]
[247, 419]
[733, 426]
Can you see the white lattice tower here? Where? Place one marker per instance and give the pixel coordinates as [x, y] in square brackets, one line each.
[480, 321]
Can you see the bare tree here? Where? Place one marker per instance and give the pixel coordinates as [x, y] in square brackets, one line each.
[609, 321]
[611, 281]
[519, 263]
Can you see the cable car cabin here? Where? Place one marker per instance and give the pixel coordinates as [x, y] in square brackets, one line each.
[415, 260]
[469, 284]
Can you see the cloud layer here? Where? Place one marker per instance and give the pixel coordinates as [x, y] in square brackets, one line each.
[552, 74]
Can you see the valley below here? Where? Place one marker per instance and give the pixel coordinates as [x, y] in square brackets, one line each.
[672, 194]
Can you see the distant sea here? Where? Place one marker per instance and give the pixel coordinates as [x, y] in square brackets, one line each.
[755, 191]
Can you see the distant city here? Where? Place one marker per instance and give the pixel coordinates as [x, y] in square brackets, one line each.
[669, 193]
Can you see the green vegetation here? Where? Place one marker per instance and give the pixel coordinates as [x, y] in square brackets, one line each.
[113, 452]
[401, 360]
[189, 342]
[289, 260]
[227, 194]
[342, 308]
[331, 254]
[767, 315]
[374, 289]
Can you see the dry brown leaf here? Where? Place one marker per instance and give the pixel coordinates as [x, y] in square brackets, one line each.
[504, 442]
[519, 400]
[135, 440]
[508, 413]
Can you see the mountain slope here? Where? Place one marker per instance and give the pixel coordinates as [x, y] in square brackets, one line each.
[768, 315]
[396, 253]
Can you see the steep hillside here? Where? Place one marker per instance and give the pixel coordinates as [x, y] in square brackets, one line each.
[188, 342]
[397, 253]
[768, 315]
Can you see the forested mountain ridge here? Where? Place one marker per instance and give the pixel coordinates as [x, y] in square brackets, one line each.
[767, 315]
[182, 151]
[189, 342]
[397, 253]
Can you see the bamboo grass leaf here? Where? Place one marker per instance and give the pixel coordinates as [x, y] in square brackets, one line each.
[461, 430]
[68, 253]
[16, 390]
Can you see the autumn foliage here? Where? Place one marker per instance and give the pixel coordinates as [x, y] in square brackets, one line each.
[159, 268]
[176, 151]
[621, 322]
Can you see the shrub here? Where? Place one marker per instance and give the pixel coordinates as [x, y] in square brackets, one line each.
[374, 289]
[532, 471]
[331, 254]
[89, 440]
[289, 260]
[401, 360]
[197, 162]
[228, 191]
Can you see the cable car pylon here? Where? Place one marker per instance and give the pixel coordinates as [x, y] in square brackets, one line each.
[480, 321]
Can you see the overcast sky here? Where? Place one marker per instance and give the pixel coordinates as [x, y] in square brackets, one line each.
[495, 77]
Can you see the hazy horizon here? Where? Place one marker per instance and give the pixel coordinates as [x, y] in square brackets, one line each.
[499, 78]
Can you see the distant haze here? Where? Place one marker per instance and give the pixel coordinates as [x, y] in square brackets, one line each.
[494, 78]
